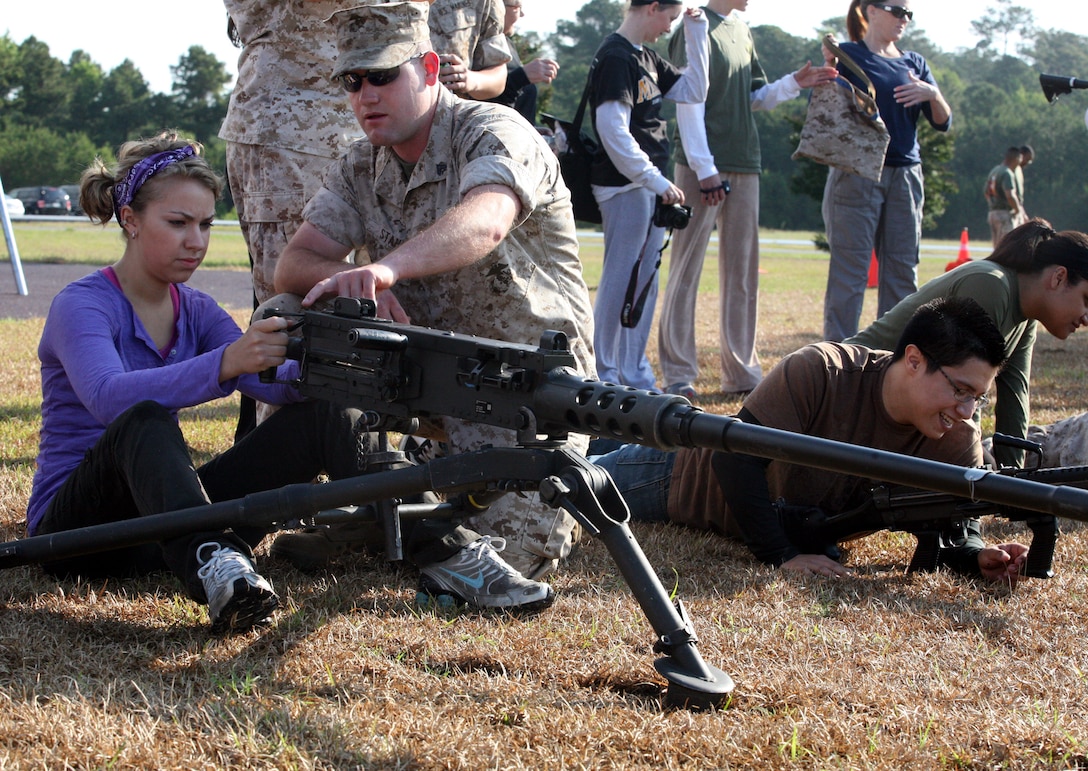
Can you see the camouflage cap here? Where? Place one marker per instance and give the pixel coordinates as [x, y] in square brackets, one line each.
[379, 36]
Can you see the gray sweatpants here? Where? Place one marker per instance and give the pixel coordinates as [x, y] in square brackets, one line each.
[861, 215]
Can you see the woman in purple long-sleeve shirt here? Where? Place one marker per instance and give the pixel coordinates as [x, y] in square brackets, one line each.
[128, 346]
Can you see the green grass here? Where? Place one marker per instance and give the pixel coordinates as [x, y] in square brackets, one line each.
[82, 242]
[881, 670]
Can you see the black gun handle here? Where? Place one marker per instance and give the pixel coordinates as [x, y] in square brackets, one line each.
[268, 376]
[927, 554]
[1044, 540]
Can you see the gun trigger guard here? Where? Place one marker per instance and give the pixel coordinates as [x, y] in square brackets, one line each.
[973, 475]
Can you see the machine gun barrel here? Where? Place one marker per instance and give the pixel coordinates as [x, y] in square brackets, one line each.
[414, 371]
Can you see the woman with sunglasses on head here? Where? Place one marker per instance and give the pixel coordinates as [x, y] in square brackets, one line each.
[1034, 275]
[129, 345]
[861, 215]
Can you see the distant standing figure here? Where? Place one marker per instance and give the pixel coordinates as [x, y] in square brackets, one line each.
[1027, 157]
[627, 84]
[861, 215]
[1003, 196]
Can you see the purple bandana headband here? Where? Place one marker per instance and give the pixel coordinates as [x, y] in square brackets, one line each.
[143, 170]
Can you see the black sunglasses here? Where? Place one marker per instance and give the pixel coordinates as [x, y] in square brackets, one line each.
[353, 81]
[897, 11]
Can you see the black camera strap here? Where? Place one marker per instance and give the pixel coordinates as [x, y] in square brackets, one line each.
[632, 307]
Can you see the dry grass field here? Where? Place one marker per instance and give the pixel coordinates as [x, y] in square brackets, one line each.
[881, 670]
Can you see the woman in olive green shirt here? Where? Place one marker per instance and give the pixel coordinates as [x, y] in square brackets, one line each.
[1034, 275]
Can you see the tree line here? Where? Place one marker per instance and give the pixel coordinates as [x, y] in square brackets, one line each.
[56, 116]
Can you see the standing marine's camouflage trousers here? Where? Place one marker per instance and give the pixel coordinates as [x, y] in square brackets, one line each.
[270, 186]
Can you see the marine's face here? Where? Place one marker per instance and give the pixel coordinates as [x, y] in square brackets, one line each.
[398, 114]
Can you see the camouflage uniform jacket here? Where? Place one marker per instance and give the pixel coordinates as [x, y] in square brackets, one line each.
[472, 29]
[531, 282]
[283, 96]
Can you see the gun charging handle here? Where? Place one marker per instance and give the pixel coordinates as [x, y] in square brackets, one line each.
[268, 376]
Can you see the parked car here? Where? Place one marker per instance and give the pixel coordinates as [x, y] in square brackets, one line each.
[14, 206]
[73, 196]
[43, 200]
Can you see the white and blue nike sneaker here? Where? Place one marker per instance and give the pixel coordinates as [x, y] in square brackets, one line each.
[479, 577]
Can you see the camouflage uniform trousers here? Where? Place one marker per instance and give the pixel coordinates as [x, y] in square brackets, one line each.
[270, 186]
[537, 535]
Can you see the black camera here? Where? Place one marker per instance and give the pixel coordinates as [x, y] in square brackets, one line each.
[671, 215]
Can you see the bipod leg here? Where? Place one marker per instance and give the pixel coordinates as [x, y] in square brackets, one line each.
[589, 494]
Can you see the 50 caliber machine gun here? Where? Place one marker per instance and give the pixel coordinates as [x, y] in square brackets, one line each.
[399, 372]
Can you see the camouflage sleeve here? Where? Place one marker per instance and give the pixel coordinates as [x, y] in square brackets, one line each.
[503, 152]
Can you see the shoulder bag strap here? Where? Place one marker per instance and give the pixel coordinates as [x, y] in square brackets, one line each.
[850, 64]
[576, 124]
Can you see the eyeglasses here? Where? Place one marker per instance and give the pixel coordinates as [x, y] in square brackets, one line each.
[353, 81]
[962, 395]
[897, 11]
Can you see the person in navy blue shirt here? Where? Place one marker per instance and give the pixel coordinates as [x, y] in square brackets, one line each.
[861, 215]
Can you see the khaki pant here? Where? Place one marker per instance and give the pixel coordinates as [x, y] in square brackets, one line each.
[738, 284]
[1001, 222]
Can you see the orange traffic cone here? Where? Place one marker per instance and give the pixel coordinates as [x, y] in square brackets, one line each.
[964, 255]
[874, 271]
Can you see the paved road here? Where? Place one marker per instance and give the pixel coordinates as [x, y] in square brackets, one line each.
[230, 287]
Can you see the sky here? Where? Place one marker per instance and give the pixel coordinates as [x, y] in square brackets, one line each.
[154, 35]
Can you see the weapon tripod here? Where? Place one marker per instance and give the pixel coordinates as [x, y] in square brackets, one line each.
[563, 478]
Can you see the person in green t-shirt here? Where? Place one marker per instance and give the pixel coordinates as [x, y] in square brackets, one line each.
[1004, 196]
[718, 153]
[1034, 275]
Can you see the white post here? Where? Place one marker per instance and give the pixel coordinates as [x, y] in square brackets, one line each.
[13, 250]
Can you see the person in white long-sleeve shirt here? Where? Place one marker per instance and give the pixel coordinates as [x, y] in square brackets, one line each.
[627, 83]
[717, 167]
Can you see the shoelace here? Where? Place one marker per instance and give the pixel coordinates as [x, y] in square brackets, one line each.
[222, 563]
[496, 544]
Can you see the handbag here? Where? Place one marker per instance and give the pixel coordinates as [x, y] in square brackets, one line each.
[576, 153]
[843, 127]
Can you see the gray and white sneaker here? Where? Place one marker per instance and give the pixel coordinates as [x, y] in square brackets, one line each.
[238, 597]
[479, 577]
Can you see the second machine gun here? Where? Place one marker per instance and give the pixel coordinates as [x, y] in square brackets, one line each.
[939, 521]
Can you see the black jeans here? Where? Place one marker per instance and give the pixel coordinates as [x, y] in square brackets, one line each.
[141, 466]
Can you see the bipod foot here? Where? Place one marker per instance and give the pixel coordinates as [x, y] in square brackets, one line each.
[588, 492]
[709, 690]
